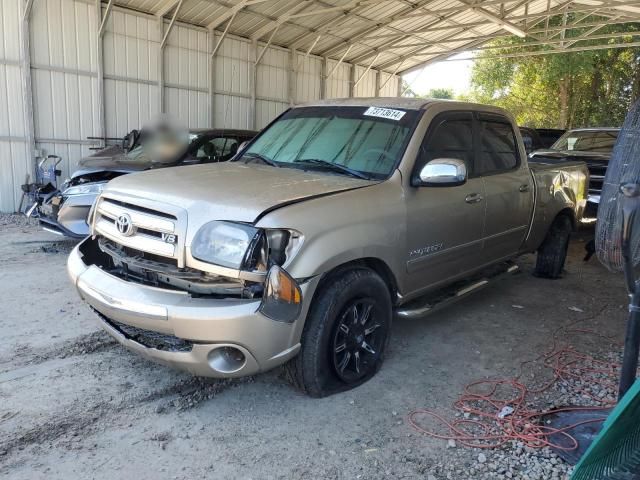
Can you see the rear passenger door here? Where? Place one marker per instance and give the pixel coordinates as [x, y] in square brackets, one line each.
[507, 184]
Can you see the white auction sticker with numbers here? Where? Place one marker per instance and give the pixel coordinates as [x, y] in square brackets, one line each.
[389, 113]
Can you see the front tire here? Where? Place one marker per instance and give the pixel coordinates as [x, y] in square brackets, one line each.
[345, 334]
[552, 254]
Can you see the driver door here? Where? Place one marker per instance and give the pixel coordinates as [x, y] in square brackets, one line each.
[445, 224]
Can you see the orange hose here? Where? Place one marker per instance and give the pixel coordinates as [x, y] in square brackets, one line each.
[488, 430]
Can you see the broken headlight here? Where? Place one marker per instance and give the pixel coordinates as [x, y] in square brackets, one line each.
[244, 247]
[85, 189]
[228, 244]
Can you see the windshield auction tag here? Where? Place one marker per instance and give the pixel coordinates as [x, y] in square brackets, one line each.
[384, 113]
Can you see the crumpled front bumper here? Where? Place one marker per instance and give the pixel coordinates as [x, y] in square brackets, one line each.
[203, 323]
[69, 216]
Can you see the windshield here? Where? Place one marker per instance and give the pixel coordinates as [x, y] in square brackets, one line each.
[587, 141]
[363, 140]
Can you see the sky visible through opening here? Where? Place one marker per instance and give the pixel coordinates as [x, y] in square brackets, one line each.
[455, 75]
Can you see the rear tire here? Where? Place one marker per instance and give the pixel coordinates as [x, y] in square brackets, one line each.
[552, 254]
[345, 334]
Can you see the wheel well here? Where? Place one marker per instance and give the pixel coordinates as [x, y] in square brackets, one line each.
[567, 212]
[375, 264]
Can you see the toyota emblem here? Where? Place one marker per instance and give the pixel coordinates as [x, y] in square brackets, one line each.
[124, 224]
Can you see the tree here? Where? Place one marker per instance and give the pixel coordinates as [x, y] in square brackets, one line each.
[445, 93]
[565, 90]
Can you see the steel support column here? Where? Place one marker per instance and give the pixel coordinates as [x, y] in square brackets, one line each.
[212, 77]
[160, 66]
[253, 54]
[102, 24]
[323, 78]
[352, 80]
[25, 70]
[293, 76]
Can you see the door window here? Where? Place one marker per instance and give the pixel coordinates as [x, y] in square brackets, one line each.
[498, 148]
[451, 138]
[217, 149]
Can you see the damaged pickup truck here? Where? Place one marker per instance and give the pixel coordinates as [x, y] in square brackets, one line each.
[339, 215]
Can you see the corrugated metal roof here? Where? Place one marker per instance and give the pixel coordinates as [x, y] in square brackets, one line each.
[398, 34]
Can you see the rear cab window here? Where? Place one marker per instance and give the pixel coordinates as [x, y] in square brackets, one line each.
[497, 146]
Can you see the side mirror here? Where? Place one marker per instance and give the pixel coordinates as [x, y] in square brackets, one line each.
[442, 172]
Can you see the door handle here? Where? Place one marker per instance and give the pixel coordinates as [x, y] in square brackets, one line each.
[524, 188]
[473, 198]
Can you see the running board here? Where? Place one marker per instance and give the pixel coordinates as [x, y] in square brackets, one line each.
[434, 301]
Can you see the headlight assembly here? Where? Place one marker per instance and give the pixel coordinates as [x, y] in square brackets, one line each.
[244, 247]
[232, 245]
[85, 189]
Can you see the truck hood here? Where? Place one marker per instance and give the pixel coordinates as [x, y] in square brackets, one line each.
[231, 190]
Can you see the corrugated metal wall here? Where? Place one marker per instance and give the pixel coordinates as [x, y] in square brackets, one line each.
[14, 164]
[64, 72]
[64, 78]
[130, 52]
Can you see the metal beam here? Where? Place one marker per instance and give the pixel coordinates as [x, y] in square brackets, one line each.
[335, 67]
[102, 22]
[224, 34]
[253, 82]
[232, 11]
[160, 22]
[543, 42]
[166, 8]
[352, 80]
[105, 18]
[275, 24]
[173, 20]
[366, 71]
[292, 78]
[26, 13]
[605, 46]
[212, 79]
[27, 90]
[311, 47]
[362, 33]
[384, 84]
[508, 26]
[264, 50]
[323, 78]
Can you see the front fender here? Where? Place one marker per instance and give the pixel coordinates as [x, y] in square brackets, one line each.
[364, 223]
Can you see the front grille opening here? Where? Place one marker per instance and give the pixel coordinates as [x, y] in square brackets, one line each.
[138, 208]
[146, 268]
[148, 338]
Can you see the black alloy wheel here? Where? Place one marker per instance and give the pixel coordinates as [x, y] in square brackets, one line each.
[357, 344]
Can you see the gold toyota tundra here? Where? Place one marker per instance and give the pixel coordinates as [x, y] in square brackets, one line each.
[338, 216]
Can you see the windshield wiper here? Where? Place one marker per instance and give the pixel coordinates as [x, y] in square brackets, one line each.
[262, 158]
[336, 167]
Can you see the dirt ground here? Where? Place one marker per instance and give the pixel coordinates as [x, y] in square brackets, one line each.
[74, 404]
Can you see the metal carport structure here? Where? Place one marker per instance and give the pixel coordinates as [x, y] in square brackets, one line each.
[73, 69]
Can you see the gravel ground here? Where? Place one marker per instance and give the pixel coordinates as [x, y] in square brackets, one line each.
[74, 404]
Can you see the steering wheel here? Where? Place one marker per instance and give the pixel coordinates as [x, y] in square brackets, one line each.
[380, 151]
[130, 140]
